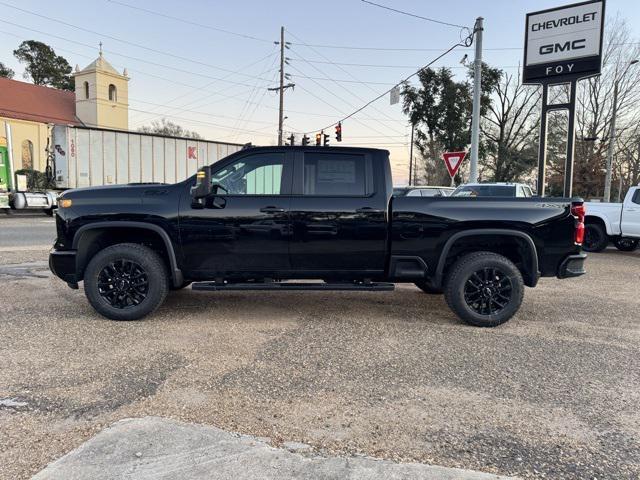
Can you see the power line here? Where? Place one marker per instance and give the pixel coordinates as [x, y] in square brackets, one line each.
[246, 108]
[161, 52]
[343, 70]
[378, 65]
[175, 82]
[414, 15]
[335, 108]
[189, 22]
[135, 70]
[221, 79]
[343, 80]
[400, 49]
[467, 41]
[210, 84]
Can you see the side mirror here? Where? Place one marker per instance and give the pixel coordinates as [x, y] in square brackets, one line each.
[202, 188]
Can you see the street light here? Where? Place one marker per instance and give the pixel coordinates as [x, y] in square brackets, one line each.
[612, 133]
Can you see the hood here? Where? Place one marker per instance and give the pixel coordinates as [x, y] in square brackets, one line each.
[114, 195]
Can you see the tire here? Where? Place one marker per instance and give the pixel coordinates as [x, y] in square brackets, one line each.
[113, 281]
[184, 285]
[492, 279]
[427, 288]
[626, 244]
[595, 238]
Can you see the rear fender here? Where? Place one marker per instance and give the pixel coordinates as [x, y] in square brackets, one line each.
[531, 271]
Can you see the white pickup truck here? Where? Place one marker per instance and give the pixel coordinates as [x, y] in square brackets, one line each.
[613, 222]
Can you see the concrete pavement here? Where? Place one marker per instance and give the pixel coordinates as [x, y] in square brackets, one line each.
[154, 448]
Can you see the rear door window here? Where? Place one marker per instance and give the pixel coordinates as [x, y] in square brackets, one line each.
[336, 174]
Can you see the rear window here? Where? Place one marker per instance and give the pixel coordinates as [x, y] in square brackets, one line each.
[334, 174]
[485, 191]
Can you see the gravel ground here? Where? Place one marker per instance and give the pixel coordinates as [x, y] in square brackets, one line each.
[554, 393]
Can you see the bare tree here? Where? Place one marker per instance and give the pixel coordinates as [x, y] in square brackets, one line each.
[510, 129]
[595, 108]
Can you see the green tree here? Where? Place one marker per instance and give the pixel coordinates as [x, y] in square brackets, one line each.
[5, 71]
[167, 127]
[440, 108]
[43, 66]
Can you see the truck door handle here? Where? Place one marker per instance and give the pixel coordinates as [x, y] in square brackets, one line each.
[271, 210]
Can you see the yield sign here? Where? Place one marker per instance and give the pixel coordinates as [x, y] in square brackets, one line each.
[453, 160]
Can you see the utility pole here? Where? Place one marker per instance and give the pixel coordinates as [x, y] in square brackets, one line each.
[281, 115]
[612, 141]
[411, 155]
[612, 133]
[282, 86]
[477, 86]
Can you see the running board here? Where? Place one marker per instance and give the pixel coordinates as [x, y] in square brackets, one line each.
[362, 287]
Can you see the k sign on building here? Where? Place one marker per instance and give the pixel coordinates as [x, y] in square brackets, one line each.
[564, 41]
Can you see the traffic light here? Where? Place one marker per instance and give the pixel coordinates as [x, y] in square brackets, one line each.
[305, 140]
[339, 132]
[292, 139]
[318, 139]
[326, 139]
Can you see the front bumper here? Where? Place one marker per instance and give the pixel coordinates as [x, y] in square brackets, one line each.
[572, 266]
[63, 264]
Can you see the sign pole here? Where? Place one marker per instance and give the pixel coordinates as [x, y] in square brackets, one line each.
[571, 140]
[411, 166]
[542, 149]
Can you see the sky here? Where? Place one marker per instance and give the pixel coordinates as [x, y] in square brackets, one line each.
[207, 65]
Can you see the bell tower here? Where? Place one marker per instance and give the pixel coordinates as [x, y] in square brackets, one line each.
[102, 95]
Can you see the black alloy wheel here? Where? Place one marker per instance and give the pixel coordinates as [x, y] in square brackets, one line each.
[484, 289]
[488, 291]
[126, 281]
[123, 284]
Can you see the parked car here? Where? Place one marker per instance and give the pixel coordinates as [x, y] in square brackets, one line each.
[614, 222]
[337, 222]
[493, 190]
[428, 191]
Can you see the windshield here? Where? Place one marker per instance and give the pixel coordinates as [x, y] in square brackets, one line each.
[484, 191]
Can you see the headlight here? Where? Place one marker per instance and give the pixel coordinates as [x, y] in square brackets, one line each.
[65, 203]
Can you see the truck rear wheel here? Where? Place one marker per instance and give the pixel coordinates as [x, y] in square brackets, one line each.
[595, 238]
[484, 289]
[126, 281]
[626, 244]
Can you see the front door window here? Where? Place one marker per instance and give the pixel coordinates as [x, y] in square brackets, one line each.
[259, 174]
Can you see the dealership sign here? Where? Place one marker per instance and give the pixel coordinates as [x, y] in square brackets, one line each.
[563, 42]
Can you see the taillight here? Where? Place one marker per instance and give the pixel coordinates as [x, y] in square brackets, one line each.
[579, 211]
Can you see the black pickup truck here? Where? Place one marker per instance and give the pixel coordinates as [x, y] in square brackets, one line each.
[309, 218]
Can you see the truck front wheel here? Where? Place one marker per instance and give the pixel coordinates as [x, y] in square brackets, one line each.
[126, 281]
[484, 289]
